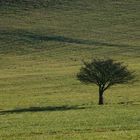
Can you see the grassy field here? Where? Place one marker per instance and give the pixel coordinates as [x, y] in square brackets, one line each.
[42, 45]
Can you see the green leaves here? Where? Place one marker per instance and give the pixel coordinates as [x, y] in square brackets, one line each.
[104, 73]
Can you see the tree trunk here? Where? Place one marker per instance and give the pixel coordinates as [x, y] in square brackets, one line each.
[101, 100]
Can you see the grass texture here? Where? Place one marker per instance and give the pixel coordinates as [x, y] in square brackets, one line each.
[42, 45]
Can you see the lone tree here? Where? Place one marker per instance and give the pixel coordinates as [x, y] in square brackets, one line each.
[104, 73]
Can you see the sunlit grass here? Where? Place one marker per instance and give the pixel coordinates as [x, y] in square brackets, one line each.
[41, 51]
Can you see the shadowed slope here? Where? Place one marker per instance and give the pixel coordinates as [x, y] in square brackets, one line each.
[24, 36]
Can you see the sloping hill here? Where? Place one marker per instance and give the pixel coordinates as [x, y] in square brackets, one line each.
[108, 22]
[42, 44]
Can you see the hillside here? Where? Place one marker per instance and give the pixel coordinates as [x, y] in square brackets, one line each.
[101, 23]
[42, 45]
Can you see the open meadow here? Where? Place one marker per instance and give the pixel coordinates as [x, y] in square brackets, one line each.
[42, 46]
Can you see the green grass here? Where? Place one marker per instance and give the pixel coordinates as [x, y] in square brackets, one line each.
[42, 45]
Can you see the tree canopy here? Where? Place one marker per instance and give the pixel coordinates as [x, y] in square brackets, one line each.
[104, 73]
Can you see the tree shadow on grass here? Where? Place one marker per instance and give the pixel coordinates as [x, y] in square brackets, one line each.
[41, 109]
